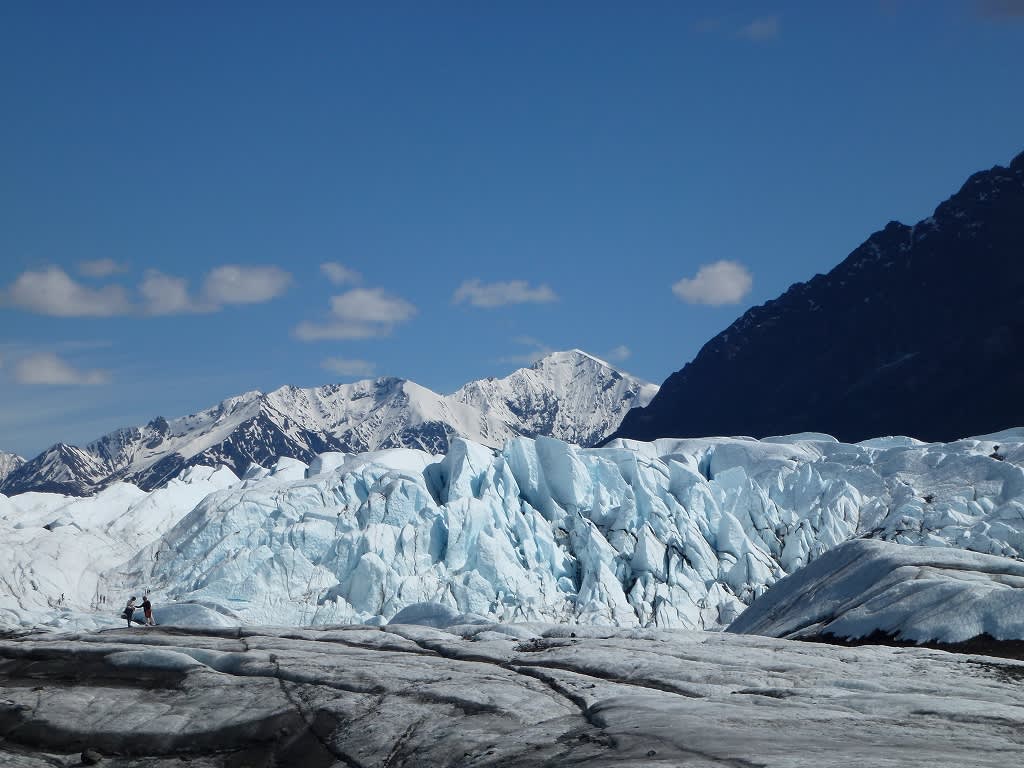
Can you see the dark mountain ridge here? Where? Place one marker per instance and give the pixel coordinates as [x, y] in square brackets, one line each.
[919, 331]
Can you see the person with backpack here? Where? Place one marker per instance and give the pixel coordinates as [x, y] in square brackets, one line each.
[147, 610]
[129, 611]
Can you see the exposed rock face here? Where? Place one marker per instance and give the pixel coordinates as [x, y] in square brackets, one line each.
[8, 463]
[496, 695]
[919, 332]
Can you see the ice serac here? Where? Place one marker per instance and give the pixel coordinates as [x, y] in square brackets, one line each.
[56, 547]
[867, 588]
[919, 331]
[677, 533]
[568, 395]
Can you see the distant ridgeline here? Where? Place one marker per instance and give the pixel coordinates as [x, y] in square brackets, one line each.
[919, 332]
[569, 395]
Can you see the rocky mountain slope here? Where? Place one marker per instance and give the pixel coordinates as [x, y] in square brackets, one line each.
[569, 395]
[8, 463]
[919, 331]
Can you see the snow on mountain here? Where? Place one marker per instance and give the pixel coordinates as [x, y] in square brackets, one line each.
[8, 463]
[61, 468]
[547, 399]
[916, 594]
[569, 395]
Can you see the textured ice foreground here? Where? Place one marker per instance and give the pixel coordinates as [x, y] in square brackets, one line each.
[499, 695]
[918, 594]
[675, 533]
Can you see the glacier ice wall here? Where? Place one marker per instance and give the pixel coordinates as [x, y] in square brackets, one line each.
[915, 594]
[674, 533]
[54, 549]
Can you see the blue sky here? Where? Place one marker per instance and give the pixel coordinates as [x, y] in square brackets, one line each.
[201, 201]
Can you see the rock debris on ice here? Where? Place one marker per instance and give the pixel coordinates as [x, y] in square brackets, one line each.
[497, 695]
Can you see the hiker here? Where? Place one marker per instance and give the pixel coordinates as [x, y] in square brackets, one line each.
[129, 611]
[147, 610]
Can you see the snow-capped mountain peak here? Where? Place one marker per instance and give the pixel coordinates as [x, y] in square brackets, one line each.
[570, 395]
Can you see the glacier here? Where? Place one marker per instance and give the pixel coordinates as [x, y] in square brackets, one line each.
[876, 591]
[680, 533]
[497, 696]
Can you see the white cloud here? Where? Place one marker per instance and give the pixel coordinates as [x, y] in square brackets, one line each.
[339, 274]
[761, 29]
[361, 313]
[100, 267]
[499, 294]
[620, 353]
[372, 306]
[723, 282]
[344, 367]
[47, 368]
[53, 292]
[236, 284]
[165, 294]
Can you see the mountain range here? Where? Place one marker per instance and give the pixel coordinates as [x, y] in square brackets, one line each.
[919, 331]
[568, 395]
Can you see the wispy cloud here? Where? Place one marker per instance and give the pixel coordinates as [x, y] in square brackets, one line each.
[361, 313]
[48, 369]
[537, 350]
[619, 354]
[339, 274]
[499, 294]
[723, 282]
[759, 30]
[344, 367]
[1000, 10]
[53, 292]
[100, 268]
